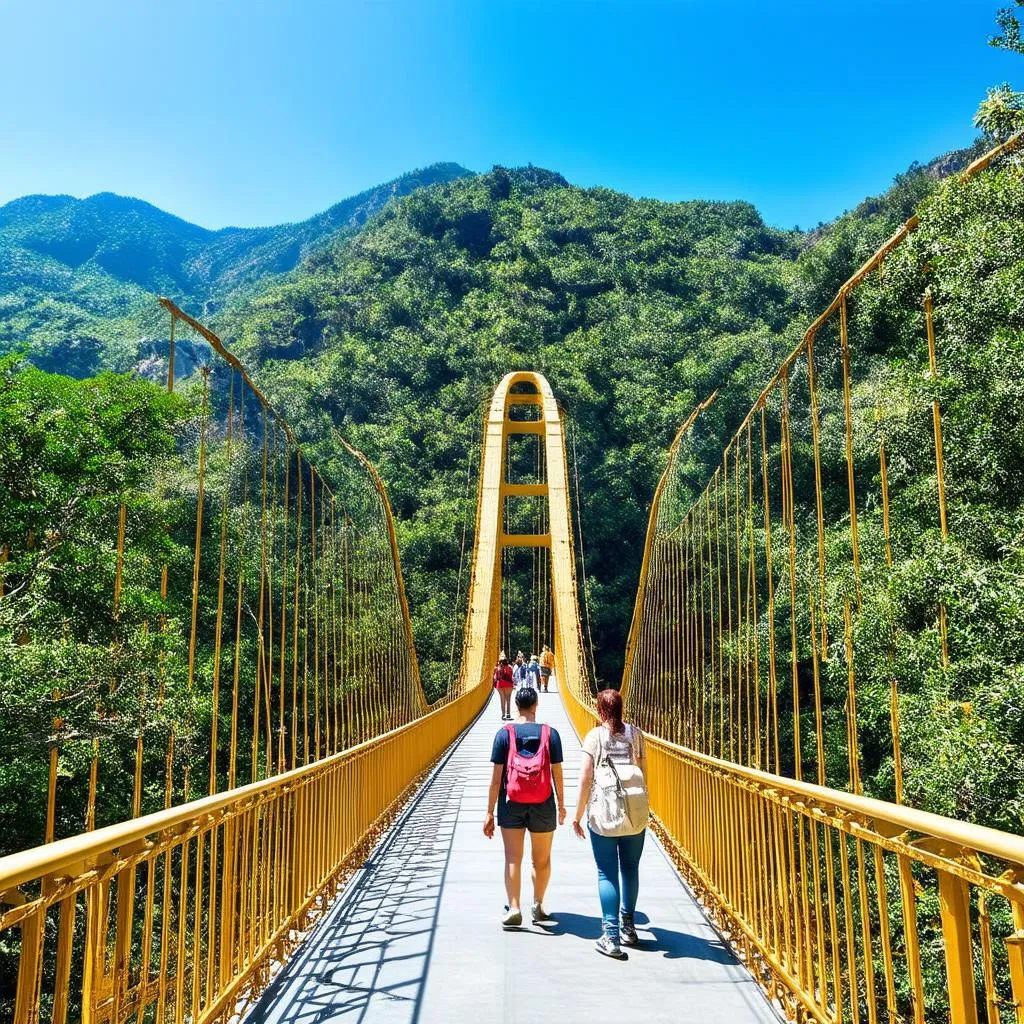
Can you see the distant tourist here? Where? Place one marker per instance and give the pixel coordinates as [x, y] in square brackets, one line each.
[613, 796]
[526, 787]
[519, 672]
[547, 663]
[504, 684]
[533, 671]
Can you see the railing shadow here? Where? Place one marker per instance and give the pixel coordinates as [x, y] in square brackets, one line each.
[372, 951]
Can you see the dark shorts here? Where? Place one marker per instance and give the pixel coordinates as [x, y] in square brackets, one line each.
[545, 672]
[533, 817]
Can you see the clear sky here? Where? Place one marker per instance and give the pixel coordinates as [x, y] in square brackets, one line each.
[255, 112]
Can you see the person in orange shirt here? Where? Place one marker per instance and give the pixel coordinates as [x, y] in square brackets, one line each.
[547, 663]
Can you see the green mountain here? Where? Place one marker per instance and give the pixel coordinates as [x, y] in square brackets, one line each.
[636, 310]
[78, 276]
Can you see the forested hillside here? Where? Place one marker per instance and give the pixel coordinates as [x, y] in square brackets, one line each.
[78, 277]
[636, 310]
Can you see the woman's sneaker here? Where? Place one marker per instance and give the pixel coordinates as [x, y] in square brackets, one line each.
[627, 930]
[512, 918]
[540, 915]
[608, 944]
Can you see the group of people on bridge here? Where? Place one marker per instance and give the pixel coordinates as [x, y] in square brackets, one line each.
[534, 674]
[527, 794]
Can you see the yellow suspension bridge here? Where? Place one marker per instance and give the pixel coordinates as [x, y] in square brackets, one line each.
[318, 855]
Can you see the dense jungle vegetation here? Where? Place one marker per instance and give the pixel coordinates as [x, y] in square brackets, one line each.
[396, 331]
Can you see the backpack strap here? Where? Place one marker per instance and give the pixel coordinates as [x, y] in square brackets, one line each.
[545, 742]
[511, 730]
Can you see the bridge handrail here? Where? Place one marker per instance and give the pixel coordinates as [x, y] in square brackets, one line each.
[243, 874]
[20, 868]
[980, 839]
[819, 890]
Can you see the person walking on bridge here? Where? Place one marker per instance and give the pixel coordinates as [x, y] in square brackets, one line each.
[547, 663]
[520, 673]
[613, 796]
[526, 787]
[504, 683]
[533, 672]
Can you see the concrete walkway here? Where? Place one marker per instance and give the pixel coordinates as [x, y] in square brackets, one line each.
[416, 939]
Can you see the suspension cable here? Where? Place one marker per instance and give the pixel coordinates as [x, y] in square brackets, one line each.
[462, 552]
[583, 561]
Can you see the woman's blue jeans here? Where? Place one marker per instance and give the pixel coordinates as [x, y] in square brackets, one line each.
[615, 856]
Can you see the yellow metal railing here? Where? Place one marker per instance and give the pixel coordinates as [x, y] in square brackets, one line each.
[843, 907]
[749, 593]
[846, 908]
[181, 915]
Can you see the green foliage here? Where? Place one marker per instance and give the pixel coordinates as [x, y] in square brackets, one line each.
[1010, 25]
[1001, 113]
[634, 309]
[71, 452]
[73, 269]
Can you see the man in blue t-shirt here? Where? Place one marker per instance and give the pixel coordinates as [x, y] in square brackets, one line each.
[516, 819]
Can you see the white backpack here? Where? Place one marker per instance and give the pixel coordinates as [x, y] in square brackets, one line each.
[618, 797]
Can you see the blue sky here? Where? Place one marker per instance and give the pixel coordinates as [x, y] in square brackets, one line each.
[251, 112]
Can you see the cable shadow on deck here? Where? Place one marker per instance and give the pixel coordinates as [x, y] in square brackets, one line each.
[371, 955]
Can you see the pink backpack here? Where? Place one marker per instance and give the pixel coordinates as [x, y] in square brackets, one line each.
[528, 779]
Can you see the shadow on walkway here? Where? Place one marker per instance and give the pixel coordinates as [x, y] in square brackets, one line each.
[670, 944]
[369, 957]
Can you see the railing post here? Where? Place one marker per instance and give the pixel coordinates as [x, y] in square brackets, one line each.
[96, 910]
[1015, 954]
[123, 938]
[955, 913]
[26, 1001]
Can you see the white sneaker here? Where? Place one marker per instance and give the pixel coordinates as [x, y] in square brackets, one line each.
[609, 947]
[627, 930]
[512, 918]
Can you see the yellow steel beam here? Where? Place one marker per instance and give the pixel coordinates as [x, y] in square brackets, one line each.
[525, 427]
[526, 490]
[526, 540]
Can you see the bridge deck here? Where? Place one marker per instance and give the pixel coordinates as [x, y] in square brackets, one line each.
[415, 938]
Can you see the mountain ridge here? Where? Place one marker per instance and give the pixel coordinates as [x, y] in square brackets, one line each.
[74, 270]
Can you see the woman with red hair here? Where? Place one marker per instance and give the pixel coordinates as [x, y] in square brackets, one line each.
[613, 795]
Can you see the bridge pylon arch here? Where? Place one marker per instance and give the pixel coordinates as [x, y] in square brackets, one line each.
[483, 621]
